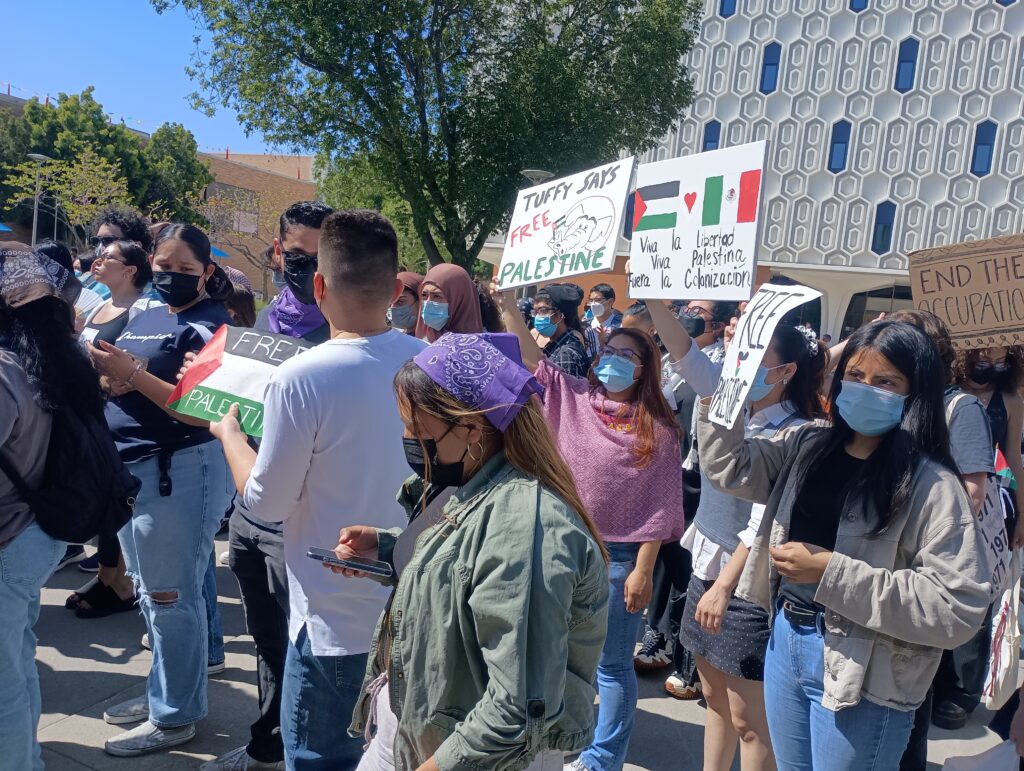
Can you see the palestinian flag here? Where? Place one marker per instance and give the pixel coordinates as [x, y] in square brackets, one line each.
[1004, 474]
[655, 207]
[235, 367]
[728, 199]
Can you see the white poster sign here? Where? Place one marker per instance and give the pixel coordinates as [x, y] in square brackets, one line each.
[695, 225]
[566, 227]
[753, 334]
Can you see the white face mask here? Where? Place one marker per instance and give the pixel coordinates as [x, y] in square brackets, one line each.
[597, 309]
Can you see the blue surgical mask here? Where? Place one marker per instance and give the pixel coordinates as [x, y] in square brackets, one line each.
[617, 373]
[434, 315]
[402, 316]
[759, 389]
[545, 325]
[868, 410]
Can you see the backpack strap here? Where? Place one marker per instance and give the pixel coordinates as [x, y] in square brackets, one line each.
[204, 334]
[951, 407]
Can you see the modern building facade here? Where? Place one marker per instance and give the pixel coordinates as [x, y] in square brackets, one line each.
[893, 125]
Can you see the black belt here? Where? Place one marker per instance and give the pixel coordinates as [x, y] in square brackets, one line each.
[800, 616]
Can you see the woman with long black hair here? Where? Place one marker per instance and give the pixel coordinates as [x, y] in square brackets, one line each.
[186, 487]
[868, 585]
[42, 369]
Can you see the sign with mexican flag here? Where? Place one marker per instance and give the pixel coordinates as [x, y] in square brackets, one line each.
[695, 225]
[233, 368]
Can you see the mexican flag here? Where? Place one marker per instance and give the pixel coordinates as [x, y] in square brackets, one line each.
[731, 199]
[233, 368]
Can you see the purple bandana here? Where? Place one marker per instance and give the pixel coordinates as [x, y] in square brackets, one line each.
[290, 317]
[484, 372]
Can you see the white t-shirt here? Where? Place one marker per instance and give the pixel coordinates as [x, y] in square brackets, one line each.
[332, 456]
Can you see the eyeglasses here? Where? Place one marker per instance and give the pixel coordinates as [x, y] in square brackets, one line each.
[102, 241]
[100, 258]
[625, 353]
[544, 313]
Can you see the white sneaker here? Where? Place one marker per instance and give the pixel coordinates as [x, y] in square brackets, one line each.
[222, 558]
[215, 669]
[678, 688]
[144, 642]
[148, 738]
[131, 711]
[576, 765]
[239, 760]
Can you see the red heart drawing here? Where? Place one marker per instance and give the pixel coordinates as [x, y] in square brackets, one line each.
[690, 199]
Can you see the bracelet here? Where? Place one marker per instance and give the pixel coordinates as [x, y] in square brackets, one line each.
[139, 366]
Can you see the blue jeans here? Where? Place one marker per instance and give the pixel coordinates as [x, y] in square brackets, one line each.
[214, 627]
[616, 678]
[25, 564]
[805, 735]
[318, 697]
[167, 548]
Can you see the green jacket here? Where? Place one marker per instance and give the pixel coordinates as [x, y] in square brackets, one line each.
[497, 624]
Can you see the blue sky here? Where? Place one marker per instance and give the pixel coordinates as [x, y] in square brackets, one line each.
[135, 58]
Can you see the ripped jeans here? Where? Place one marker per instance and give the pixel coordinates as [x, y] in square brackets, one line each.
[167, 548]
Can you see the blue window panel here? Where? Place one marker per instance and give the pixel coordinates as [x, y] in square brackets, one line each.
[906, 65]
[727, 8]
[840, 146]
[1006, 2]
[858, 5]
[712, 133]
[770, 68]
[984, 148]
[881, 237]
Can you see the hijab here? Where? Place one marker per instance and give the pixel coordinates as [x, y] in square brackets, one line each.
[463, 302]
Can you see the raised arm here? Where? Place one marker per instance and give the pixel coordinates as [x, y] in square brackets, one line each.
[514, 323]
[671, 332]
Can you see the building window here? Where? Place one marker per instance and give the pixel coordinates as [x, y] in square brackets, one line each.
[864, 307]
[1005, 2]
[712, 133]
[984, 148]
[727, 8]
[858, 5]
[906, 65]
[881, 237]
[840, 146]
[770, 67]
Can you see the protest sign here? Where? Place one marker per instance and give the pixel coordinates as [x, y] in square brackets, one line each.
[566, 227]
[233, 368]
[695, 225]
[753, 334]
[977, 288]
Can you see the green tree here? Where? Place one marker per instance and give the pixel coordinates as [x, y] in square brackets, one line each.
[349, 183]
[177, 175]
[75, 191]
[450, 99]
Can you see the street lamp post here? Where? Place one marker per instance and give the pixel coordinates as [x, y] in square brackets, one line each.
[40, 159]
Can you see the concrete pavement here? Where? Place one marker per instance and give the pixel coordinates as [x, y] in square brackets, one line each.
[86, 666]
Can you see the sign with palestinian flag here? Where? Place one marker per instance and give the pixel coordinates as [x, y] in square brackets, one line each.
[566, 227]
[695, 225]
[233, 368]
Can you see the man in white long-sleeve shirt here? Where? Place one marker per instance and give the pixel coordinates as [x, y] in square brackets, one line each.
[331, 456]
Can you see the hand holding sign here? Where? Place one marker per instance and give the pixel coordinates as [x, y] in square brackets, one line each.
[227, 426]
[753, 334]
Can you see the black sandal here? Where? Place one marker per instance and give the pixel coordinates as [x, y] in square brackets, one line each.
[71, 603]
[103, 601]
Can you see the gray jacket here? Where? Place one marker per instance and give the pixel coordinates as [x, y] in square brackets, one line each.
[893, 601]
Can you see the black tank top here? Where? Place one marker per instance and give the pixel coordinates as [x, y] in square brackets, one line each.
[998, 419]
[108, 331]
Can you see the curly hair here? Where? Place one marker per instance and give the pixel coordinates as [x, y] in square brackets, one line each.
[1008, 382]
[132, 224]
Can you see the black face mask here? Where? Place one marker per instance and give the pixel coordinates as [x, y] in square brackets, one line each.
[441, 474]
[694, 325]
[984, 373]
[175, 289]
[298, 274]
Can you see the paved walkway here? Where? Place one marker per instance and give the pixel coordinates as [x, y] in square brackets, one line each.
[86, 666]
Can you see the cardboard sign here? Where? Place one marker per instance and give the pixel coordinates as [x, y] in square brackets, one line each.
[695, 225]
[566, 227]
[234, 368]
[753, 334]
[977, 288]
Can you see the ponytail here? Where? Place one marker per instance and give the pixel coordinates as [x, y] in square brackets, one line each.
[218, 285]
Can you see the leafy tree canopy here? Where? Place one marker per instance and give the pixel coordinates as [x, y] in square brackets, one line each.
[451, 99]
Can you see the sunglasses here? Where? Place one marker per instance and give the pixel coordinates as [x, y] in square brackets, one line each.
[102, 242]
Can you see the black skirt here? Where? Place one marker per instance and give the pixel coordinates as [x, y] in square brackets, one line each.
[739, 648]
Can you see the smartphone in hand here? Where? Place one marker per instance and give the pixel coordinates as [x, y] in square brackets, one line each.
[363, 565]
